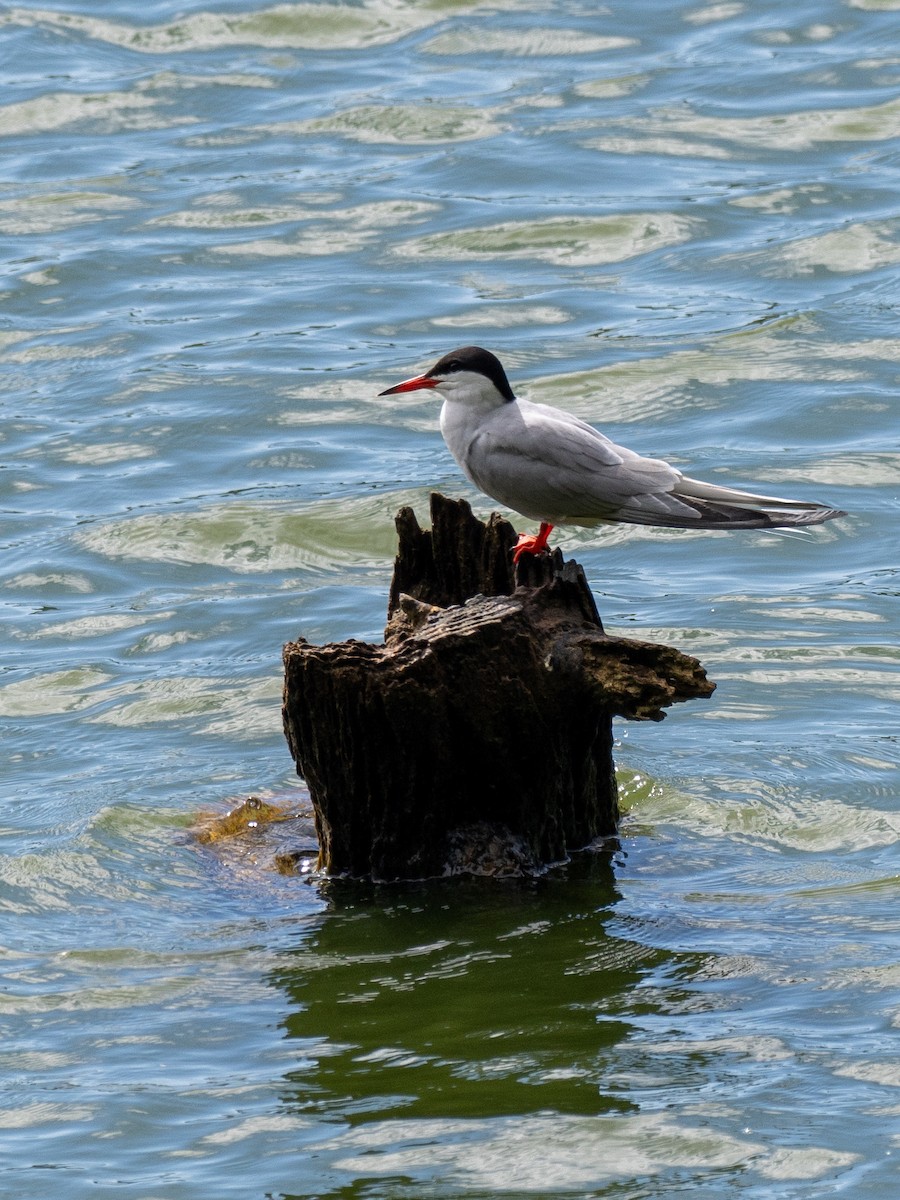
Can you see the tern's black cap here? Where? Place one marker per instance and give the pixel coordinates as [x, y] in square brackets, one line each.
[482, 362]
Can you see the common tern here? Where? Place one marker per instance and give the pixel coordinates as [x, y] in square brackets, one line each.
[552, 467]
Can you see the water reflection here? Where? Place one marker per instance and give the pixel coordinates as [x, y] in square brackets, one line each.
[477, 1039]
[465, 999]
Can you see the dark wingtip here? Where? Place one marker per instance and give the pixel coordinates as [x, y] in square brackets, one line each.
[818, 516]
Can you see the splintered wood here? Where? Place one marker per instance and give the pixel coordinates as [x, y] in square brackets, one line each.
[485, 717]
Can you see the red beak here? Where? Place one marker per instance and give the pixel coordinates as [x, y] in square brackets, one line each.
[410, 385]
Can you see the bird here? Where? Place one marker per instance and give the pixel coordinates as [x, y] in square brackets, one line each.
[550, 466]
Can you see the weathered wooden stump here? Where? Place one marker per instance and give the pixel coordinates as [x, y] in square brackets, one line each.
[478, 737]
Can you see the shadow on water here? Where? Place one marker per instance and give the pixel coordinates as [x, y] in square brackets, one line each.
[465, 999]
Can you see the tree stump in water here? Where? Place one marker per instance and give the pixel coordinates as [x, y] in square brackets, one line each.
[478, 737]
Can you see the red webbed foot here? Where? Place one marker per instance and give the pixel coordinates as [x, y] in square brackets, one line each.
[532, 543]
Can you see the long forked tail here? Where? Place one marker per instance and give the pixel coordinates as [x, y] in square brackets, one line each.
[726, 508]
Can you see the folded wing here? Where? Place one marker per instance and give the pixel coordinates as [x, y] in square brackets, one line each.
[553, 467]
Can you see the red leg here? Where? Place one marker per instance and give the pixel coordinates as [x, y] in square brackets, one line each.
[532, 543]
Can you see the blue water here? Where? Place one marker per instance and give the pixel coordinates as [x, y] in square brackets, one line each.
[225, 230]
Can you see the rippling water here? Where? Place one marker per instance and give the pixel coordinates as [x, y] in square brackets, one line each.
[225, 230]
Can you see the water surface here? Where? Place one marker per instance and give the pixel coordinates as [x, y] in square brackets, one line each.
[225, 230]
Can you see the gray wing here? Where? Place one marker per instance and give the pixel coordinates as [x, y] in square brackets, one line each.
[550, 466]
